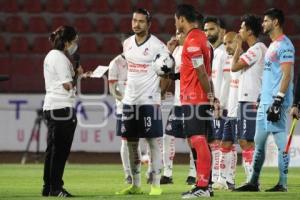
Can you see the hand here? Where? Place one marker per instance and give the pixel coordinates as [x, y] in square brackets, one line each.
[87, 74]
[172, 43]
[295, 112]
[274, 111]
[239, 41]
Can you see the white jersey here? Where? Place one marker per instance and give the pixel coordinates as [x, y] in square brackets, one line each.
[251, 77]
[142, 81]
[177, 56]
[118, 72]
[58, 70]
[232, 105]
[226, 77]
[220, 56]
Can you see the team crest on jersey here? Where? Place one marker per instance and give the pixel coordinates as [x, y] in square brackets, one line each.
[193, 49]
[146, 52]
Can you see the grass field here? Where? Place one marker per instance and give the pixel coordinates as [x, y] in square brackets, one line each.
[102, 181]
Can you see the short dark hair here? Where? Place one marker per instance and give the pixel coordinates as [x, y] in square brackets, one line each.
[61, 35]
[199, 19]
[187, 11]
[252, 22]
[215, 20]
[145, 12]
[275, 13]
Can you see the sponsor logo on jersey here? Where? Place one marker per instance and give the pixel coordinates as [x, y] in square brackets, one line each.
[193, 49]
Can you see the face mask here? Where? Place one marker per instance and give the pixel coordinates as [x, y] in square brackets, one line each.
[72, 49]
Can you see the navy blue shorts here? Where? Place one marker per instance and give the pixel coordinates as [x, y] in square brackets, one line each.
[174, 124]
[247, 112]
[197, 120]
[218, 126]
[230, 130]
[142, 121]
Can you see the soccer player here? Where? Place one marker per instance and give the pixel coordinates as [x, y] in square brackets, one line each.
[251, 65]
[228, 158]
[214, 28]
[276, 98]
[195, 95]
[141, 110]
[117, 77]
[174, 125]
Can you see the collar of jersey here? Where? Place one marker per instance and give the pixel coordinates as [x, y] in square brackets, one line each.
[149, 35]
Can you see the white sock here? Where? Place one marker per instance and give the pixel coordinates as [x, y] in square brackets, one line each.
[168, 154]
[192, 171]
[232, 168]
[215, 152]
[135, 162]
[225, 160]
[156, 159]
[124, 157]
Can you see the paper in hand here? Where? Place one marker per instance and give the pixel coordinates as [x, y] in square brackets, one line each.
[99, 71]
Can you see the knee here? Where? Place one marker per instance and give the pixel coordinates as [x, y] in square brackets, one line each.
[226, 144]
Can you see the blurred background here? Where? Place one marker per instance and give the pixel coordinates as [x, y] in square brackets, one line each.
[24, 29]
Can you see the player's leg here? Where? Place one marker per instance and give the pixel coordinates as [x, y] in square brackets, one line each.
[280, 138]
[215, 149]
[191, 179]
[168, 149]
[130, 132]
[151, 118]
[246, 127]
[260, 138]
[196, 123]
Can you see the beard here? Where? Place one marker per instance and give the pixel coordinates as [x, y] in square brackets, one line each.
[267, 30]
[212, 39]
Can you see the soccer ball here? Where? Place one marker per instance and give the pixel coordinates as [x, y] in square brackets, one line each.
[163, 63]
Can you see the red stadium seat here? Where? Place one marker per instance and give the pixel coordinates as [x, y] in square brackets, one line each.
[167, 6]
[58, 21]
[55, 6]
[296, 43]
[88, 44]
[77, 6]
[235, 7]
[290, 27]
[194, 3]
[283, 5]
[100, 7]
[125, 25]
[83, 25]
[2, 45]
[5, 65]
[147, 4]
[122, 6]
[9, 6]
[32, 6]
[155, 26]
[111, 45]
[105, 25]
[37, 24]
[14, 24]
[212, 7]
[18, 44]
[41, 45]
[169, 26]
[257, 6]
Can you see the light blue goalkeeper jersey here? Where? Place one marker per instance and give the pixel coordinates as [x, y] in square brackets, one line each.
[280, 51]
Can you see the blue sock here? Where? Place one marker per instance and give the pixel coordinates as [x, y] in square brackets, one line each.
[259, 155]
[283, 158]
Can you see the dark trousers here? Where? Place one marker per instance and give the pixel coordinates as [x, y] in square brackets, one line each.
[61, 125]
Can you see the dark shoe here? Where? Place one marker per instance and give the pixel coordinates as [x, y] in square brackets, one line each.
[190, 180]
[248, 187]
[277, 188]
[128, 180]
[166, 180]
[211, 191]
[196, 192]
[45, 192]
[60, 193]
[231, 186]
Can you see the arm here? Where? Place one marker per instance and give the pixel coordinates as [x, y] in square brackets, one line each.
[286, 77]
[164, 85]
[237, 63]
[113, 90]
[203, 79]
